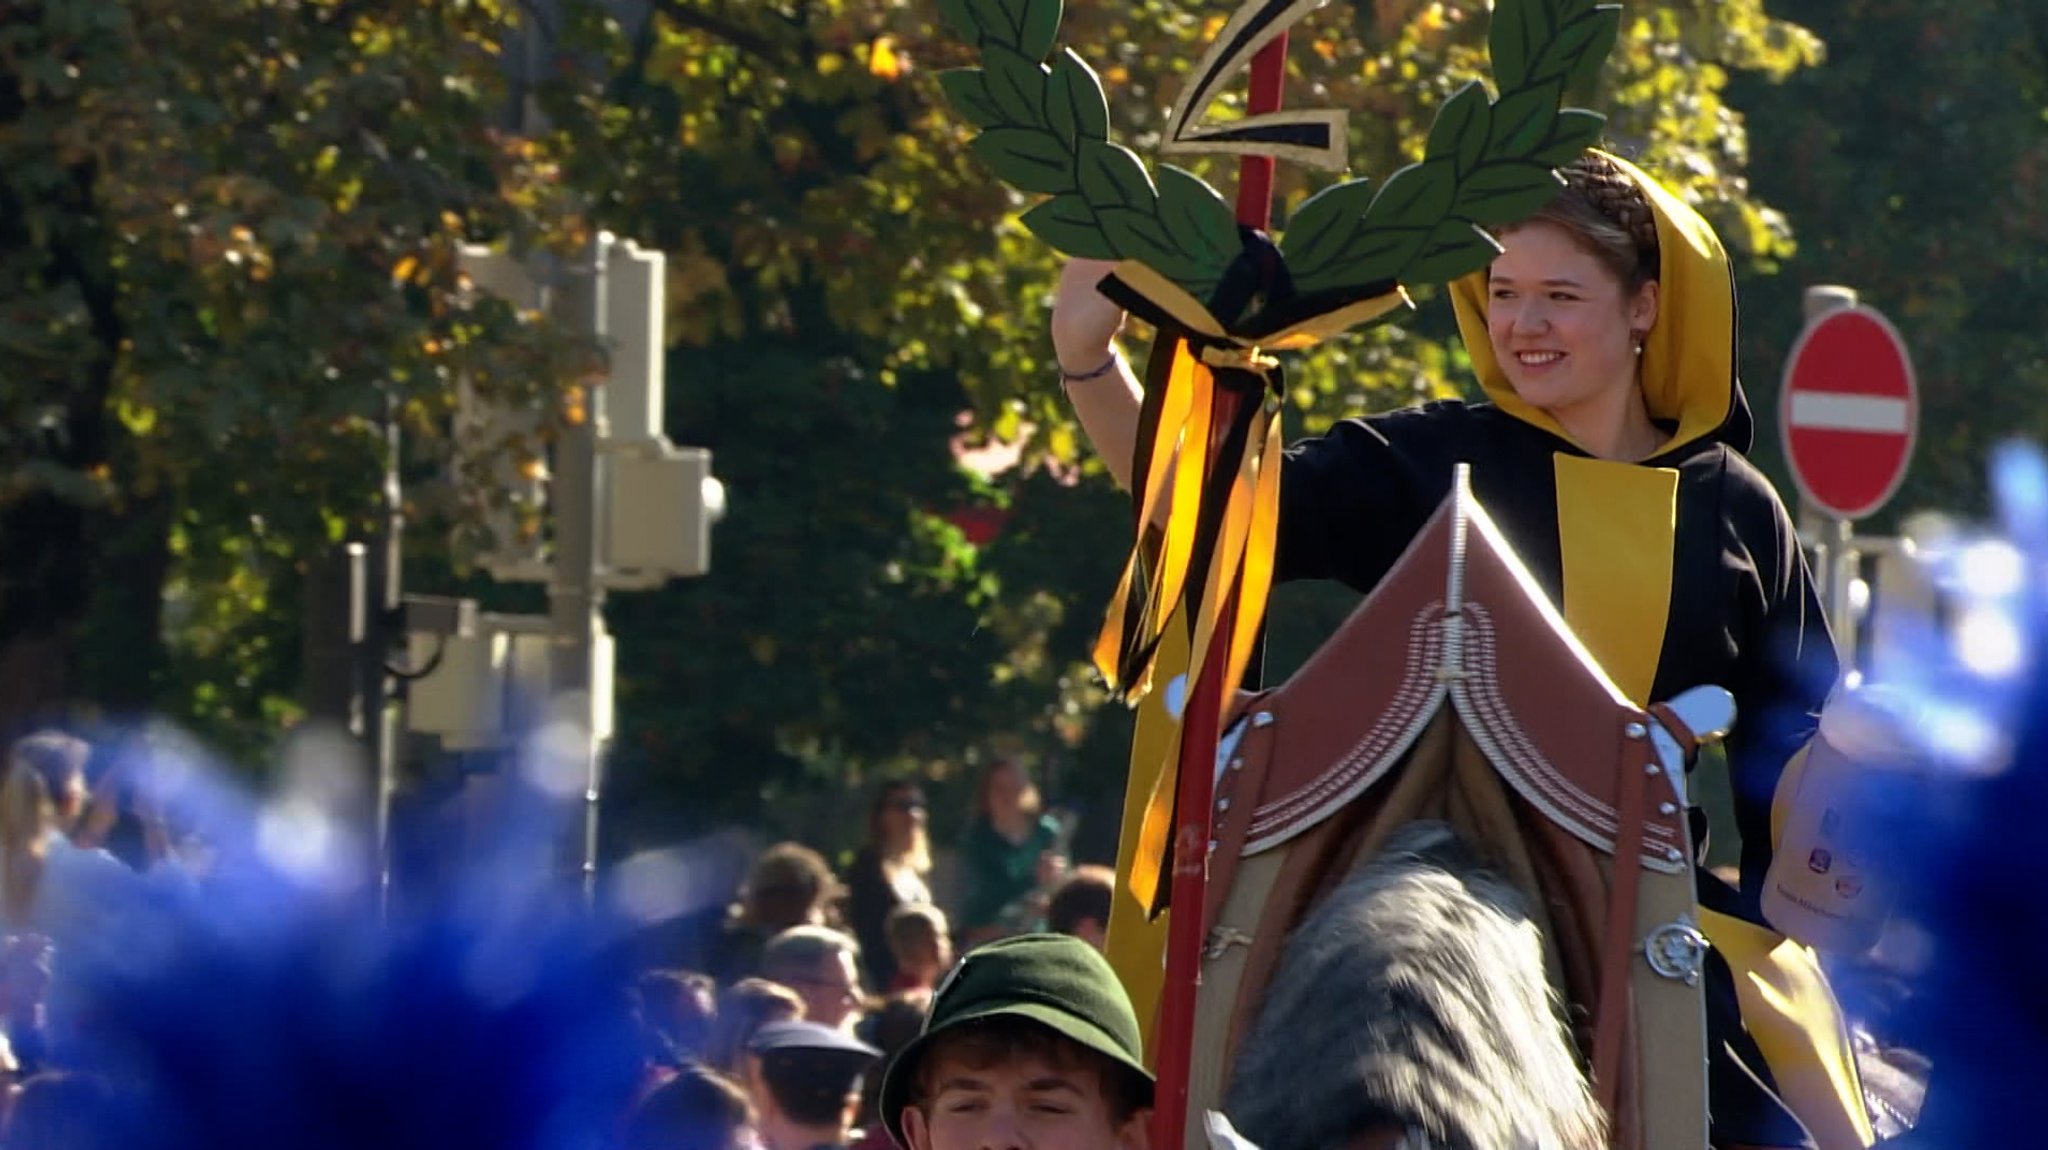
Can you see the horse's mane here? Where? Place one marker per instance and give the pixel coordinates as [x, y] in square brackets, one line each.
[1414, 996]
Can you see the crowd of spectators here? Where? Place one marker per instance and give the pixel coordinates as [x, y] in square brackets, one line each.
[770, 1031]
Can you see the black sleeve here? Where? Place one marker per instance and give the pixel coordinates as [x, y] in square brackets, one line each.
[1353, 498]
[1785, 668]
[869, 899]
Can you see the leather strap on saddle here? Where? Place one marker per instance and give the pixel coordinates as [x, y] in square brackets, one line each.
[1678, 729]
[1618, 939]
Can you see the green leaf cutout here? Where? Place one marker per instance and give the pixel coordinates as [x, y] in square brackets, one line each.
[1511, 37]
[1069, 225]
[996, 22]
[1038, 26]
[1504, 192]
[1045, 130]
[1586, 73]
[1141, 236]
[1110, 175]
[1558, 58]
[1462, 127]
[1075, 105]
[1521, 120]
[1574, 131]
[1455, 249]
[1017, 85]
[959, 16]
[1319, 229]
[967, 91]
[1198, 216]
[1417, 196]
[1370, 257]
[1028, 159]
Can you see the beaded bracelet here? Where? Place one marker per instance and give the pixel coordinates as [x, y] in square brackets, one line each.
[1108, 365]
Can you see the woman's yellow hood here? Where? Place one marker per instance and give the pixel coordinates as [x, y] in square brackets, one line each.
[1689, 358]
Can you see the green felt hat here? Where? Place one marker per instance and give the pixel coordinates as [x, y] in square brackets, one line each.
[1054, 980]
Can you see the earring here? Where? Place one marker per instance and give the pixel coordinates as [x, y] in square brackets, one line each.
[1640, 336]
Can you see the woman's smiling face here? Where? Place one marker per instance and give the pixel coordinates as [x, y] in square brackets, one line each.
[1563, 327]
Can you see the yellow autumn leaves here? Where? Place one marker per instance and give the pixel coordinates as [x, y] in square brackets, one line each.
[883, 56]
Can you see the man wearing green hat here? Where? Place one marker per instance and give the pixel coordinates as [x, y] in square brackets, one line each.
[1031, 1044]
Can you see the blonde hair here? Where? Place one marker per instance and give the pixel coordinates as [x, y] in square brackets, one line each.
[912, 925]
[39, 767]
[918, 855]
[1028, 801]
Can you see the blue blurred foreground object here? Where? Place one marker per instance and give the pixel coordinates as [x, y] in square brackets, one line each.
[1961, 811]
[274, 1007]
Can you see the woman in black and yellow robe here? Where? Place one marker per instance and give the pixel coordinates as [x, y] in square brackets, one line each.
[1668, 553]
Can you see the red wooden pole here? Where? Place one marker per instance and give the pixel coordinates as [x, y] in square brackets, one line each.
[1200, 730]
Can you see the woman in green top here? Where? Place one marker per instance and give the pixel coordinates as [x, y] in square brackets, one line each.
[1012, 855]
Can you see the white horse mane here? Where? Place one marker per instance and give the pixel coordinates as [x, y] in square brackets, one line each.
[1414, 997]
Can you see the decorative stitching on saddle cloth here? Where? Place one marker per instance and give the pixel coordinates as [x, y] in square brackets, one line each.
[1394, 730]
[1517, 756]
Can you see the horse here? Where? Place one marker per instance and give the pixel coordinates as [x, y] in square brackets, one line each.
[1412, 1009]
[1451, 901]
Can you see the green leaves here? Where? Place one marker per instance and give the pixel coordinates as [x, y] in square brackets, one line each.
[1416, 197]
[1027, 159]
[1463, 127]
[1454, 249]
[1573, 57]
[1068, 224]
[1046, 131]
[1111, 176]
[1322, 226]
[1193, 211]
[1075, 106]
[1486, 165]
[1574, 130]
[1507, 191]
[1516, 30]
[1521, 121]
[1038, 25]
[958, 15]
[1017, 85]
[968, 91]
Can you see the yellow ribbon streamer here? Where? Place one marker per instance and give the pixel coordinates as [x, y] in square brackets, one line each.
[1176, 510]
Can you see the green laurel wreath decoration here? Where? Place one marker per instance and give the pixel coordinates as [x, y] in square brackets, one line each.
[1488, 162]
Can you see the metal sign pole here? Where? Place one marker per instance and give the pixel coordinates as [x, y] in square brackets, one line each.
[1829, 536]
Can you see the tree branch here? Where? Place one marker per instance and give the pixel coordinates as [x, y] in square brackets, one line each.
[688, 16]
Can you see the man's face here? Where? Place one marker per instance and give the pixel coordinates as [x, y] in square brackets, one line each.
[1021, 1103]
[832, 991]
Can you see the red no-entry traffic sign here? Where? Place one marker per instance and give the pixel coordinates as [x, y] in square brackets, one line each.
[1848, 411]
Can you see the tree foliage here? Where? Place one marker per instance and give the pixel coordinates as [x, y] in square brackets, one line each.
[227, 237]
[223, 303]
[1913, 165]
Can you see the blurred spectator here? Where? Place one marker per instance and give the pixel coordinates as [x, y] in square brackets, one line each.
[26, 970]
[894, 1025]
[46, 883]
[745, 1007]
[59, 1111]
[822, 965]
[679, 1005]
[920, 944]
[805, 1082]
[789, 885]
[1080, 906]
[1010, 857]
[888, 871]
[699, 1109]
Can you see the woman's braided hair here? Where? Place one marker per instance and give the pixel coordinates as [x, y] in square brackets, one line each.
[1607, 212]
